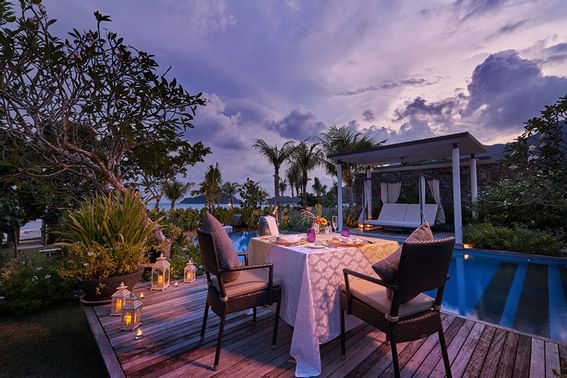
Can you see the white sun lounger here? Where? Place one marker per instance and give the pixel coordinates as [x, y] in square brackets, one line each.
[404, 215]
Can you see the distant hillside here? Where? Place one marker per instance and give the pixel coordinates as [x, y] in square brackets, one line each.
[202, 200]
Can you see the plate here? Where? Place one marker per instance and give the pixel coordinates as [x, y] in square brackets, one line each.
[354, 243]
[316, 246]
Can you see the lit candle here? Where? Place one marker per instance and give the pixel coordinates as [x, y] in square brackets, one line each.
[160, 280]
[142, 295]
[175, 284]
[139, 333]
[127, 319]
[118, 305]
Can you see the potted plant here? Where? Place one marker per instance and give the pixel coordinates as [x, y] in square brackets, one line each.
[107, 239]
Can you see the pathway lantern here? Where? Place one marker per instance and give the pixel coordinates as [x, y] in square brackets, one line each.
[189, 272]
[131, 314]
[160, 274]
[118, 299]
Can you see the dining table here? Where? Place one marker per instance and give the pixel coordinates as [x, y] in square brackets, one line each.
[310, 275]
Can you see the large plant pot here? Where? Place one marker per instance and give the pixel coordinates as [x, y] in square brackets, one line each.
[104, 296]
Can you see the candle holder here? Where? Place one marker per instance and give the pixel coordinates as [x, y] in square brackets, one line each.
[160, 274]
[118, 299]
[139, 333]
[131, 316]
[189, 272]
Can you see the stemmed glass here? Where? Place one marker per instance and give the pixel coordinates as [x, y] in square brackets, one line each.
[334, 221]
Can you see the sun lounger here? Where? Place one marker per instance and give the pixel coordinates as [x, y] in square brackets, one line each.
[404, 215]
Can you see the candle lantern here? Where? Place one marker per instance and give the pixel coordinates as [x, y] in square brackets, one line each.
[131, 314]
[118, 299]
[160, 274]
[189, 272]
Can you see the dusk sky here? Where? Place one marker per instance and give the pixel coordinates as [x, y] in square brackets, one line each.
[398, 70]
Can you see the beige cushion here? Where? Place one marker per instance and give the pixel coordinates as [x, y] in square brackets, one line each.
[375, 295]
[228, 258]
[388, 267]
[248, 281]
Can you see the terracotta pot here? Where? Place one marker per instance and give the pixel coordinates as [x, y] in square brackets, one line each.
[89, 287]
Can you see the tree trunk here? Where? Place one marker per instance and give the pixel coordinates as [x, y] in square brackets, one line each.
[277, 192]
[158, 200]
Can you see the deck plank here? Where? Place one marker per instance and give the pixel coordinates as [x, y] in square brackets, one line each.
[537, 358]
[522, 362]
[171, 345]
[552, 365]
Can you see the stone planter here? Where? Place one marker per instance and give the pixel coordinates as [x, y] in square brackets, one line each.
[89, 288]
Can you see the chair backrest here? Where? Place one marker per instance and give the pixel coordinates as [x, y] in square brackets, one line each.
[208, 252]
[423, 266]
[267, 225]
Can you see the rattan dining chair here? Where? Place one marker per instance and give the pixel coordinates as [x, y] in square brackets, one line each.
[254, 287]
[423, 267]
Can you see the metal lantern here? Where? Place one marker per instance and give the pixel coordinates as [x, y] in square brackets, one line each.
[189, 272]
[131, 316]
[118, 299]
[160, 274]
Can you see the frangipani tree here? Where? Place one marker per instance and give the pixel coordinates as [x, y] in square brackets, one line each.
[88, 105]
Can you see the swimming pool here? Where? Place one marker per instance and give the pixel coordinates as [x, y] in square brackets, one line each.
[526, 293]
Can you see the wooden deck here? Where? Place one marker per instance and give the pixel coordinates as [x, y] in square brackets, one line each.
[171, 348]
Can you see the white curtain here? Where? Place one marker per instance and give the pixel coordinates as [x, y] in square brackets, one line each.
[390, 192]
[436, 193]
[367, 187]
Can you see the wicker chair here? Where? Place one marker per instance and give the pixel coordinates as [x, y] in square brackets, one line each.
[423, 267]
[251, 289]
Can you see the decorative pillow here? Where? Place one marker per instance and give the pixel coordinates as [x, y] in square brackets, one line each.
[388, 267]
[228, 258]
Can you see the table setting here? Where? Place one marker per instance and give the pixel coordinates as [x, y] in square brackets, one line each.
[309, 268]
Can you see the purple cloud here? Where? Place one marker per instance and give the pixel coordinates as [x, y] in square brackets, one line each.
[298, 125]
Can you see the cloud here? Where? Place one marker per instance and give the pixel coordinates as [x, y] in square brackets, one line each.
[508, 28]
[368, 115]
[467, 9]
[391, 84]
[298, 125]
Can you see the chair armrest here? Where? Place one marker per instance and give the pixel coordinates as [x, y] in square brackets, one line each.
[245, 255]
[247, 267]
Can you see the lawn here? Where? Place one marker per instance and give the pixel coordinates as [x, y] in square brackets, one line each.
[53, 343]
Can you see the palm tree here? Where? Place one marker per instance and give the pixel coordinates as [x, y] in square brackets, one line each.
[283, 186]
[343, 139]
[318, 188]
[210, 187]
[230, 189]
[276, 156]
[306, 157]
[175, 190]
[291, 176]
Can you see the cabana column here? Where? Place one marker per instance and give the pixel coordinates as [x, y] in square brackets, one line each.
[339, 196]
[456, 162]
[368, 185]
[474, 183]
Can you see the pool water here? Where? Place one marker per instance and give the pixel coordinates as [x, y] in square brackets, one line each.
[526, 293]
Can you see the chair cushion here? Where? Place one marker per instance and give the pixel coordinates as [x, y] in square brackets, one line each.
[375, 296]
[247, 282]
[267, 225]
[388, 267]
[226, 254]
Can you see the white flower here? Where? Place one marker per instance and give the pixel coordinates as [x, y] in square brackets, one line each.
[34, 278]
[90, 253]
[39, 268]
[47, 276]
[85, 264]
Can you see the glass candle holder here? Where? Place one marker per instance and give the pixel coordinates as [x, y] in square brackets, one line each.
[311, 235]
[345, 232]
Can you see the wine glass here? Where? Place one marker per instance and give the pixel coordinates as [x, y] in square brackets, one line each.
[334, 222]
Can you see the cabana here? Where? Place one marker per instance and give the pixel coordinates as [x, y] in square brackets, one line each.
[452, 146]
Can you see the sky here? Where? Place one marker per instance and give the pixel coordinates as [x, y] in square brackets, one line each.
[395, 70]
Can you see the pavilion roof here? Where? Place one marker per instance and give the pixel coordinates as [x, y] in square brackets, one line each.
[416, 150]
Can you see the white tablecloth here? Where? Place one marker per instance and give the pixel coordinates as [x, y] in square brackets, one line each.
[310, 281]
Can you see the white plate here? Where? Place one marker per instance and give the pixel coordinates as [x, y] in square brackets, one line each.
[316, 246]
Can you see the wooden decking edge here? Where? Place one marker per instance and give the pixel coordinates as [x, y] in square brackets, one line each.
[111, 363]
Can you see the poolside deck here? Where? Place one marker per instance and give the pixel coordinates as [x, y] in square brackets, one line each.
[170, 346]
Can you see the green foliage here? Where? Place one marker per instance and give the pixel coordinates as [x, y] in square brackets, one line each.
[518, 239]
[210, 187]
[180, 256]
[526, 201]
[175, 190]
[252, 194]
[304, 158]
[30, 284]
[107, 236]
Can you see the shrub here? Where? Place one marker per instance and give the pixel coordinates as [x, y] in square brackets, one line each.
[107, 236]
[30, 284]
[181, 255]
[518, 239]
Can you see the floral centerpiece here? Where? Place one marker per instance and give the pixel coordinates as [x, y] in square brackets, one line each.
[317, 220]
